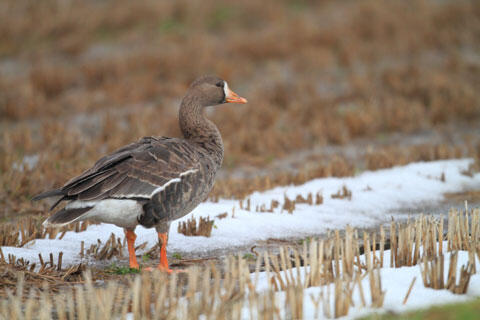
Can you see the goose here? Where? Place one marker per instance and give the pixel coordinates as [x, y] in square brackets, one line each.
[155, 180]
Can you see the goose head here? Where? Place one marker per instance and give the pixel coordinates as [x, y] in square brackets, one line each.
[212, 91]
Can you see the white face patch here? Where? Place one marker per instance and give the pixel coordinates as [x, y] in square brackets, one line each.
[226, 90]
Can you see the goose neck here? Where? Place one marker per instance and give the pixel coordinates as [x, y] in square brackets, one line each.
[197, 128]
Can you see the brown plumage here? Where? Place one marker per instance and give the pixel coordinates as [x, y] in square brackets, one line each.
[154, 180]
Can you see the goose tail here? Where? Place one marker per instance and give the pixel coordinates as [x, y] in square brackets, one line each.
[48, 194]
[65, 216]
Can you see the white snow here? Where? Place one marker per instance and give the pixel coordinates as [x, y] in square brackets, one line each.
[375, 197]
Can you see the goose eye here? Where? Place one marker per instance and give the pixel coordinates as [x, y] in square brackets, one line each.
[219, 84]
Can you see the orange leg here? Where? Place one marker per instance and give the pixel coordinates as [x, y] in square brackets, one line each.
[131, 236]
[163, 265]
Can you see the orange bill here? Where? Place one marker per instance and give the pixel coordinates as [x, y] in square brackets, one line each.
[232, 97]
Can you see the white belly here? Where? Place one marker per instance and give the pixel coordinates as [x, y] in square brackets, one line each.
[122, 213]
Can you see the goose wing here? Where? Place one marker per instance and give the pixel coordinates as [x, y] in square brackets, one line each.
[136, 171]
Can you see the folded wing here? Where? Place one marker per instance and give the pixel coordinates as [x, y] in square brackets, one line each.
[135, 171]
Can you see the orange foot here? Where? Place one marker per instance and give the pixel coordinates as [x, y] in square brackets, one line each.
[132, 258]
[163, 265]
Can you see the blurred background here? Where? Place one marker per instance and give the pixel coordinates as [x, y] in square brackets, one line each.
[334, 87]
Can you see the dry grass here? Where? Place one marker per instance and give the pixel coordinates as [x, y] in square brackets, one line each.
[48, 273]
[434, 277]
[224, 292]
[29, 228]
[192, 228]
[113, 247]
[343, 193]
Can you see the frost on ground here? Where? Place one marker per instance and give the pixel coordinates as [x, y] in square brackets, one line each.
[375, 197]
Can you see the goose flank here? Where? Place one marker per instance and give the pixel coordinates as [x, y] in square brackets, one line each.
[155, 180]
